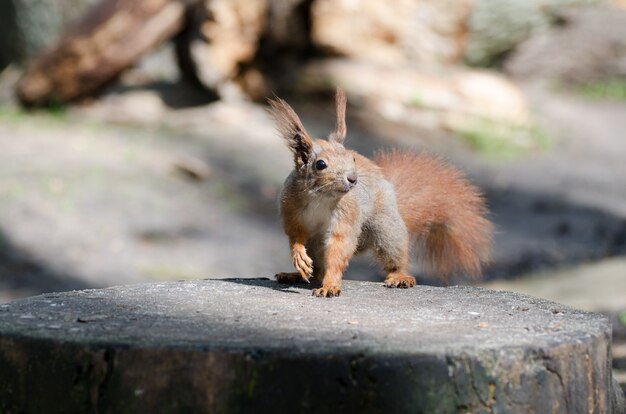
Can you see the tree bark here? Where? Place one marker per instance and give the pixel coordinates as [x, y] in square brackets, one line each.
[220, 36]
[246, 345]
[108, 40]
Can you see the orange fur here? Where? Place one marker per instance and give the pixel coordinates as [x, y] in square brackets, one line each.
[298, 237]
[342, 243]
[442, 211]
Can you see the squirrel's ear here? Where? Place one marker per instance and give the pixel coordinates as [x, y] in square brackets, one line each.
[339, 134]
[291, 129]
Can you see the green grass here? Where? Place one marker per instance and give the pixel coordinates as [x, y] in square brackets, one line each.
[417, 100]
[614, 89]
[11, 113]
[500, 139]
[52, 116]
[606, 89]
[56, 111]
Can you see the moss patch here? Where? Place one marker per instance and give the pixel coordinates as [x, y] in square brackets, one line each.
[497, 138]
[614, 89]
[16, 114]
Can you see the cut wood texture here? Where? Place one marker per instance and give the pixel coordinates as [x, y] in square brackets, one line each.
[254, 346]
[108, 40]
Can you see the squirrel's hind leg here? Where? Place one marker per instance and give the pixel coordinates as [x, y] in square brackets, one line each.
[391, 247]
[399, 280]
[289, 277]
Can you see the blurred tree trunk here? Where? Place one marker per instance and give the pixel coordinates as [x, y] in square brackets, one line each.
[28, 25]
[237, 41]
[220, 35]
[108, 40]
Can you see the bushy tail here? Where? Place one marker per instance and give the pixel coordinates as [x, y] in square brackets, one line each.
[443, 212]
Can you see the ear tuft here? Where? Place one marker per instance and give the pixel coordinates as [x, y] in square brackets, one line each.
[300, 148]
[291, 129]
[339, 134]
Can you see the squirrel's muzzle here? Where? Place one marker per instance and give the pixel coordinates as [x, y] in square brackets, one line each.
[349, 181]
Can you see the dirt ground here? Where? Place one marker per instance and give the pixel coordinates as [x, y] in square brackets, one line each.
[105, 194]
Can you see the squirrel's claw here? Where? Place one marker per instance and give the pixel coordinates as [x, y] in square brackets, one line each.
[302, 262]
[327, 291]
[399, 280]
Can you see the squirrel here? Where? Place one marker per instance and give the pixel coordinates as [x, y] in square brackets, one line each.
[337, 203]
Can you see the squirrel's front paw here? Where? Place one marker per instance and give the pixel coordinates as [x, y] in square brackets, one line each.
[302, 262]
[327, 291]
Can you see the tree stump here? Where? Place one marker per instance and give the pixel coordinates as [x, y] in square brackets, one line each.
[251, 345]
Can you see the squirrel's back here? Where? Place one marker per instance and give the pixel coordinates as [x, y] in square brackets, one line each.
[443, 212]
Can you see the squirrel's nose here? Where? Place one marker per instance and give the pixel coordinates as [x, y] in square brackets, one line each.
[351, 178]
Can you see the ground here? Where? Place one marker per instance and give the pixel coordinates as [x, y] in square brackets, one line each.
[191, 192]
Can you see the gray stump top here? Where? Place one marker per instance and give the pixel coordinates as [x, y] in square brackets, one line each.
[447, 336]
[261, 314]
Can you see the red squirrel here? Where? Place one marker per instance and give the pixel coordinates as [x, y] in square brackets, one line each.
[337, 203]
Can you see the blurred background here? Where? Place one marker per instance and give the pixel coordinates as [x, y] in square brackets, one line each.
[135, 145]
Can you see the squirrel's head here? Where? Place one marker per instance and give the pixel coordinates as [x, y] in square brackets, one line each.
[326, 165]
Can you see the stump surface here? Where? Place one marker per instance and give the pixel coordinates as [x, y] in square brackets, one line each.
[251, 345]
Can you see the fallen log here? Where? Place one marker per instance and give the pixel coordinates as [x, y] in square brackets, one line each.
[108, 40]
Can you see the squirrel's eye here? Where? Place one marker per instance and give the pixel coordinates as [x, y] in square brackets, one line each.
[320, 164]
